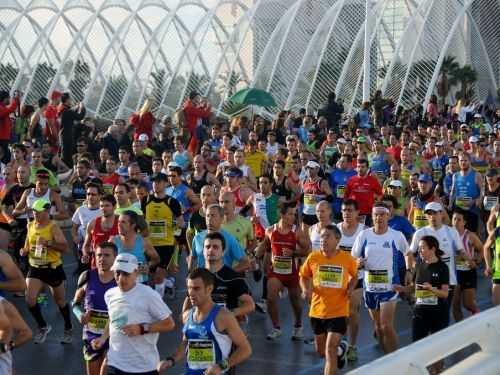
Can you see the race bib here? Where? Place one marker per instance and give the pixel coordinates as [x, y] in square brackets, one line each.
[282, 265]
[97, 321]
[39, 256]
[330, 276]
[436, 174]
[345, 248]
[464, 202]
[340, 191]
[489, 202]
[425, 297]
[377, 280]
[200, 354]
[461, 263]
[157, 229]
[107, 188]
[309, 199]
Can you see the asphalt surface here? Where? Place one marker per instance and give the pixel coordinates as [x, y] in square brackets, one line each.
[282, 356]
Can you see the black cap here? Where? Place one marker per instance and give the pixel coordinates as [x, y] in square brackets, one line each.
[492, 172]
[159, 177]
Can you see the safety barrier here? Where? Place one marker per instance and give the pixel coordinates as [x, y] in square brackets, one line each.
[482, 329]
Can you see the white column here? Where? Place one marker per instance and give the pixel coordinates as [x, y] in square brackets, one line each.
[366, 56]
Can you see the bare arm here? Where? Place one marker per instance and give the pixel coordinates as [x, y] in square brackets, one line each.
[21, 207]
[226, 322]
[22, 332]
[194, 200]
[303, 242]
[245, 307]
[59, 244]
[14, 278]
[150, 252]
[87, 243]
[61, 211]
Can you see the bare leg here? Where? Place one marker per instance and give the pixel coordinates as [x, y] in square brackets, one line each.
[332, 343]
[273, 288]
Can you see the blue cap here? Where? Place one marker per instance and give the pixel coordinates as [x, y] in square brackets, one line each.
[424, 178]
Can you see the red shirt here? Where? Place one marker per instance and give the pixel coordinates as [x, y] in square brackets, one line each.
[363, 191]
[395, 152]
[5, 120]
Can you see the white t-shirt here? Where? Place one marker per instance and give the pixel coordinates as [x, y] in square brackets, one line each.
[82, 216]
[139, 305]
[449, 242]
[380, 254]
[347, 242]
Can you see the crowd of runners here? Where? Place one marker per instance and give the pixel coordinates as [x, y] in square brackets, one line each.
[336, 213]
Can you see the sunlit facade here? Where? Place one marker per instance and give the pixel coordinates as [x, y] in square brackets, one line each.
[112, 54]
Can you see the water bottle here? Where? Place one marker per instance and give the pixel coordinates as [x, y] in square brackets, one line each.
[42, 300]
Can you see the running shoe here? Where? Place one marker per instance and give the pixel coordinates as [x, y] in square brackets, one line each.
[352, 354]
[274, 334]
[342, 354]
[261, 306]
[41, 335]
[67, 337]
[298, 334]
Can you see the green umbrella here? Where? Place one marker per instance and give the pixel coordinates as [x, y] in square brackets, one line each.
[253, 96]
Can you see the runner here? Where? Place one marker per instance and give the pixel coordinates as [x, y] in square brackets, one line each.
[230, 289]
[163, 215]
[129, 241]
[84, 214]
[232, 175]
[467, 191]
[465, 291]
[200, 176]
[11, 278]
[431, 286]
[315, 189]
[418, 202]
[45, 242]
[100, 229]
[93, 315]
[350, 228]
[376, 249]
[137, 316]
[449, 242]
[324, 216]
[283, 244]
[40, 191]
[197, 222]
[338, 180]
[327, 279]
[14, 332]
[209, 332]
[234, 255]
[380, 161]
[365, 189]
[281, 184]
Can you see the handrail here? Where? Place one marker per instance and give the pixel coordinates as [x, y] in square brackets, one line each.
[482, 329]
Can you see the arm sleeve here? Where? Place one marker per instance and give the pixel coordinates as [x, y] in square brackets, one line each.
[7, 110]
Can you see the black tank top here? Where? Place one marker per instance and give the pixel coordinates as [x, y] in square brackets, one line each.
[196, 185]
[281, 190]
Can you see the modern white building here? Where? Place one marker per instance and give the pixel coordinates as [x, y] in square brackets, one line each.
[112, 54]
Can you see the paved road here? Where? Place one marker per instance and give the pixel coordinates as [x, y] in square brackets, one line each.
[281, 357]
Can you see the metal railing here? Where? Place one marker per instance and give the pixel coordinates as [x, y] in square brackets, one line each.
[482, 329]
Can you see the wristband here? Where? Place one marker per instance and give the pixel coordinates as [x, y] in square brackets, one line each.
[171, 359]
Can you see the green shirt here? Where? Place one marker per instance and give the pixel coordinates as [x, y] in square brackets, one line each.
[241, 228]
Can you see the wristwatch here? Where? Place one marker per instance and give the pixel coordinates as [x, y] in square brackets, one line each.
[145, 328]
[224, 365]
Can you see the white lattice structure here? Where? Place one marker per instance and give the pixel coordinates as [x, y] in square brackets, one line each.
[112, 54]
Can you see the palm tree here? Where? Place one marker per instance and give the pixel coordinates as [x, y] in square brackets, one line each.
[448, 68]
[466, 76]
